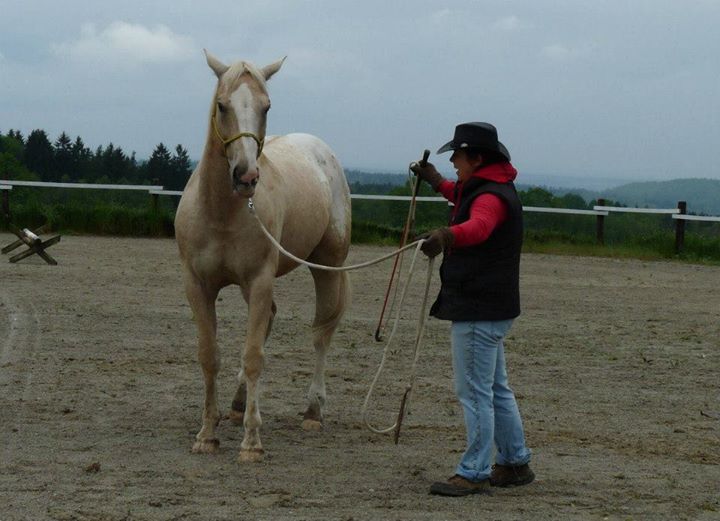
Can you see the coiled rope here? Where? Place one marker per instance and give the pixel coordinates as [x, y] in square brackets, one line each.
[420, 324]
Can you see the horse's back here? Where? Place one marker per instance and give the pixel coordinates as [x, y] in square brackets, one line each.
[312, 172]
[307, 149]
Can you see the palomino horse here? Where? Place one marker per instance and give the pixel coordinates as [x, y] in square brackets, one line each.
[301, 196]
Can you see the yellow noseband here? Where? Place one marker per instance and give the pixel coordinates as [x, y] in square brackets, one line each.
[237, 136]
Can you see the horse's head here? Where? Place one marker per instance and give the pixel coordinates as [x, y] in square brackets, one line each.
[239, 117]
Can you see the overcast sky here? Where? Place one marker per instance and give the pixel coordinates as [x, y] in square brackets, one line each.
[616, 88]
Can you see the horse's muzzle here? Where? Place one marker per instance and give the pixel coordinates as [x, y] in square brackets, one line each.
[245, 184]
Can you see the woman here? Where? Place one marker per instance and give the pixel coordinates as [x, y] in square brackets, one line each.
[480, 276]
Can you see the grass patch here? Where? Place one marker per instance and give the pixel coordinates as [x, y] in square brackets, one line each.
[364, 232]
[98, 219]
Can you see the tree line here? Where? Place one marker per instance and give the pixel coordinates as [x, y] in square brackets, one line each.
[36, 158]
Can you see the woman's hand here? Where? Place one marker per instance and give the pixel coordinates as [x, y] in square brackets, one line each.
[427, 173]
[437, 241]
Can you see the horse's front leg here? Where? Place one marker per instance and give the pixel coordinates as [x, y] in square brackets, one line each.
[237, 409]
[260, 311]
[202, 303]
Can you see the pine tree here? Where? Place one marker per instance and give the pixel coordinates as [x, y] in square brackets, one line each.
[62, 157]
[38, 156]
[95, 169]
[16, 134]
[181, 169]
[159, 167]
[116, 164]
[81, 161]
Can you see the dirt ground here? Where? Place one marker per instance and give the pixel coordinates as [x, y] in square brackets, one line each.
[615, 364]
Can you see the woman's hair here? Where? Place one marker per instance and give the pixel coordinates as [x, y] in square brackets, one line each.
[489, 157]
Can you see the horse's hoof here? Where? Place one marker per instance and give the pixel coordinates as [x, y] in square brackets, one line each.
[236, 417]
[210, 446]
[312, 425]
[252, 456]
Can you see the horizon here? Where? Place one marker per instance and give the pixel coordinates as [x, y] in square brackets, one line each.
[559, 181]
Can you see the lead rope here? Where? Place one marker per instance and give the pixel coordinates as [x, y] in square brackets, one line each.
[418, 341]
[420, 327]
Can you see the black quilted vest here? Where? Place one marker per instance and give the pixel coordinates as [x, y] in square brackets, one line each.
[482, 282]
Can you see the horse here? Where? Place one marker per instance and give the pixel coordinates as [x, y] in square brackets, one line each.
[301, 196]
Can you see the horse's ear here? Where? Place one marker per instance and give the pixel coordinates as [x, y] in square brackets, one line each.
[271, 69]
[218, 67]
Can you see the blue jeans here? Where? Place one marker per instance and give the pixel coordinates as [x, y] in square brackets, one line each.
[489, 406]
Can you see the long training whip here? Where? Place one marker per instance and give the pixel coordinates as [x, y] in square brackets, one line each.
[420, 327]
[397, 264]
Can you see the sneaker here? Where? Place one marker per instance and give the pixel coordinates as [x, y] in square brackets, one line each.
[457, 486]
[507, 476]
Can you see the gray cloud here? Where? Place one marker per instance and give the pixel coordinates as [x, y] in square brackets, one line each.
[122, 42]
[576, 88]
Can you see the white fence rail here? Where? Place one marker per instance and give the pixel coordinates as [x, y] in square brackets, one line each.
[93, 186]
[600, 211]
[623, 209]
[166, 192]
[542, 209]
[707, 218]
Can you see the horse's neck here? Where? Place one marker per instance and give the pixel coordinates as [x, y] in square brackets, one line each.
[214, 185]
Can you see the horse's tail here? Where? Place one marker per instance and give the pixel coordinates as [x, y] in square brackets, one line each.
[324, 326]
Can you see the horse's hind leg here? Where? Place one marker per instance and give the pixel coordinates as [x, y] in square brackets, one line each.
[237, 409]
[331, 289]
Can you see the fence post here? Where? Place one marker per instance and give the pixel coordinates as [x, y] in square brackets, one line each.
[680, 228]
[155, 202]
[5, 203]
[600, 225]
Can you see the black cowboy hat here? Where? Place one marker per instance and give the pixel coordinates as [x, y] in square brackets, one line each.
[476, 135]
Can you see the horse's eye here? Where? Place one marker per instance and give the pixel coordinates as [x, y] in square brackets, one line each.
[221, 107]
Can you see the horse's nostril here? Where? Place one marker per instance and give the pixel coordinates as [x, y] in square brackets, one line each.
[250, 176]
[237, 173]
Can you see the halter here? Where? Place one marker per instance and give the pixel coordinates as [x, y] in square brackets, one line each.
[237, 136]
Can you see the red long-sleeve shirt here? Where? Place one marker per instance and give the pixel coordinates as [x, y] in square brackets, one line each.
[488, 210]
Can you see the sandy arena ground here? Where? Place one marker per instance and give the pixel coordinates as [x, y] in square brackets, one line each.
[616, 365]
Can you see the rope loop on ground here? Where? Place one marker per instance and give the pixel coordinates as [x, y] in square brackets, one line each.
[420, 325]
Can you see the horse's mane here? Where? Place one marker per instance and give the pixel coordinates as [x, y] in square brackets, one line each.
[239, 68]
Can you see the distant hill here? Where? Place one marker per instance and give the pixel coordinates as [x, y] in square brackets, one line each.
[701, 195]
[569, 183]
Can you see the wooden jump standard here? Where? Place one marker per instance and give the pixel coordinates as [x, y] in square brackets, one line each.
[34, 243]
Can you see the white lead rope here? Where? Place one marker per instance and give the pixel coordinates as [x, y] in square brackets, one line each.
[418, 340]
[282, 250]
[421, 319]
